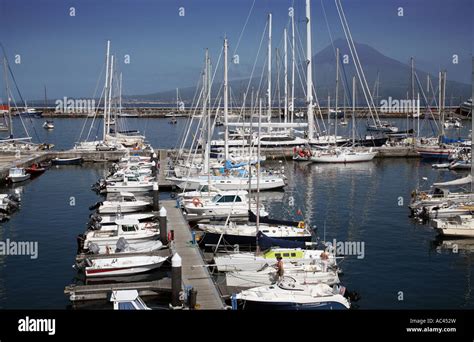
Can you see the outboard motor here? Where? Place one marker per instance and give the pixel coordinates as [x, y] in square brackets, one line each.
[122, 245]
[95, 217]
[80, 243]
[14, 197]
[93, 248]
[95, 206]
[94, 225]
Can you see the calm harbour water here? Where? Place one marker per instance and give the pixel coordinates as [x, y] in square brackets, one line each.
[358, 202]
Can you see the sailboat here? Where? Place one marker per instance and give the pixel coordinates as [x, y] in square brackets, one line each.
[344, 154]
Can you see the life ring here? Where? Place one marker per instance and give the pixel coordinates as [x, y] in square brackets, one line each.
[197, 202]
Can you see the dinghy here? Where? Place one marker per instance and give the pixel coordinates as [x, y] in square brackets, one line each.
[35, 169]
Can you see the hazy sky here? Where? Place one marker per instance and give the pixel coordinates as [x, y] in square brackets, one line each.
[66, 53]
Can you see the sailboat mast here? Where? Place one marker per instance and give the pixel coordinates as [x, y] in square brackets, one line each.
[204, 108]
[106, 90]
[110, 93]
[440, 98]
[292, 66]
[472, 130]
[7, 94]
[285, 47]
[269, 86]
[120, 94]
[177, 100]
[258, 173]
[309, 73]
[209, 134]
[353, 108]
[337, 95]
[226, 104]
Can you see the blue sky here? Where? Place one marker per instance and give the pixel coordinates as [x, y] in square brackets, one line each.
[67, 53]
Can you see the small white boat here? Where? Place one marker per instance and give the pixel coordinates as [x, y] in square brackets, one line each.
[461, 225]
[127, 204]
[112, 219]
[289, 295]
[124, 265]
[18, 174]
[48, 125]
[127, 300]
[129, 184]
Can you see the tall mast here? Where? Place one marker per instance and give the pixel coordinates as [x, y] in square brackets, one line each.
[440, 99]
[309, 73]
[204, 107]
[106, 90]
[226, 103]
[258, 172]
[208, 149]
[412, 88]
[177, 100]
[110, 93]
[337, 93]
[120, 93]
[353, 108]
[472, 128]
[286, 76]
[269, 87]
[292, 65]
[7, 94]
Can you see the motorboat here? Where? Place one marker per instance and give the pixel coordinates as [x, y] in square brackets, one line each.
[129, 184]
[127, 204]
[460, 225]
[35, 169]
[233, 203]
[18, 174]
[123, 265]
[288, 294]
[48, 124]
[127, 300]
[67, 161]
[127, 228]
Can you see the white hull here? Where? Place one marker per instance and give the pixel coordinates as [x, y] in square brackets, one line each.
[230, 183]
[123, 207]
[120, 187]
[269, 276]
[343, 157]
[108, 267]
[17, 179]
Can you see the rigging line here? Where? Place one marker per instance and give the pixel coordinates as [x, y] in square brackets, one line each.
[253, 70]
[243, 28]
[93, 96]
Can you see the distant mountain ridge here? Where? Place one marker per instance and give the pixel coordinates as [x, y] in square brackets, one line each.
[394, 78]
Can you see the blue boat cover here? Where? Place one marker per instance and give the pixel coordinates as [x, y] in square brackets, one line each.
[445, 140]
[265, 242]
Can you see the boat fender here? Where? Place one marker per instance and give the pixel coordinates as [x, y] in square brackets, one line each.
[148, 225]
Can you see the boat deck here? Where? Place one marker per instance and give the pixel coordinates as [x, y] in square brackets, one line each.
[194, 270]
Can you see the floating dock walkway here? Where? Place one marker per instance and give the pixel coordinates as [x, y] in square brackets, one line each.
[194, 270]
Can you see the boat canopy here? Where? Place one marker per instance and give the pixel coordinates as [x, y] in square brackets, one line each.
[445, 140]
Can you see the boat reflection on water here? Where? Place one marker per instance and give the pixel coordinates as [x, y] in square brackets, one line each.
[366, 168]
[456, 245]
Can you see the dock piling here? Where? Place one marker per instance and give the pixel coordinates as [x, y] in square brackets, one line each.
[176, 281]
[163, 220]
